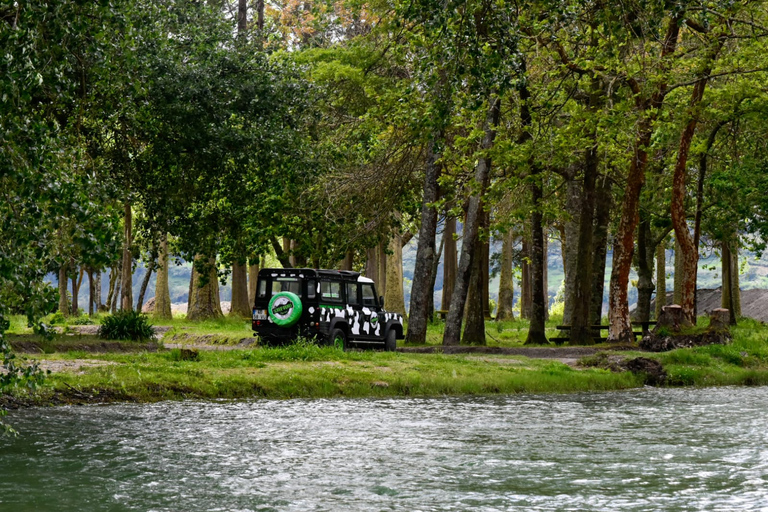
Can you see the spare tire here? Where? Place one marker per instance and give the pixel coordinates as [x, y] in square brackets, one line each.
[285, 309]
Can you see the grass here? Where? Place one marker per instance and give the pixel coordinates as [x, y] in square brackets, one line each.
[308, 371]
[321, 372]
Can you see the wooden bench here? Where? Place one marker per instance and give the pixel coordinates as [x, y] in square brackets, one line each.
[443, 313]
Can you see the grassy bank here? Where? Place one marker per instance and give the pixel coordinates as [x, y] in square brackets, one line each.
[314, 372]
[303, 370]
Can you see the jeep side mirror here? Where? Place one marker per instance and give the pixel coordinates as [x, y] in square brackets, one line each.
[381, 300]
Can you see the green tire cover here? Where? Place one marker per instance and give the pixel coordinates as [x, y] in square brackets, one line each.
[285, 309]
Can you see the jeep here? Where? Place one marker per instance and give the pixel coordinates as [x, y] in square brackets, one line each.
[332, 307]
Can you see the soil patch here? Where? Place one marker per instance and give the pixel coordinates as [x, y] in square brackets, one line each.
[31, 344]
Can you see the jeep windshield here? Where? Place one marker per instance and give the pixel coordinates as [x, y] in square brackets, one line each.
[285, 284]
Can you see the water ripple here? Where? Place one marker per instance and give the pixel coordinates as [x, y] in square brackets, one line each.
[638, 450]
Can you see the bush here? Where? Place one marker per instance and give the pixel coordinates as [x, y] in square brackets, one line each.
[126, 325]
[82, 320]
[58, 318]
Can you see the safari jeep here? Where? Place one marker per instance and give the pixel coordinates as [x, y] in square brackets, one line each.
[334, 307]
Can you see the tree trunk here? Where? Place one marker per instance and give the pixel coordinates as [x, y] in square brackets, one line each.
[240, 306]
[661, 278]
[573, 205]
[63, 300]
[253, 277]
[97, 290]
[735, 289]
[260, 18]
[703, 161]
[581, 333]
[506, 282]
[242, 17]
[620, 325]
[474, 330]
[126, 297]
[111, 286]
[645, 285]
[690, 253]
[118, 284]
[536, 332]
[205, 304]
[727, 269]
[77, 280]
[453, 321]
[604, 202]
[677, 293]
[162, 288]
[372, 263]
[90, 291]
[545, 272]
[485, 268]
[382, 261]
[449, 262]
[433, 280]
[394, 298]
[348, 262]
[144, 285]
[525, 280]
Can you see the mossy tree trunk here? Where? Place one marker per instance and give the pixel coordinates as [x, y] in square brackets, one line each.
[604, 203]
[240, 306]
[395, 298]
[525, 280]
[204, 302]
[162, 288]
[570, 242]
[449, 262]
[474, 328]
[452, 333]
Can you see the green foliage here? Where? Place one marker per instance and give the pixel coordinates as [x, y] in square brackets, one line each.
[126, 325]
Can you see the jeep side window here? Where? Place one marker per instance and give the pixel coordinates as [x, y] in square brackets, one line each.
[352, 294]
[369, 296]
[263, 288]
[311, 289]
[330, 291]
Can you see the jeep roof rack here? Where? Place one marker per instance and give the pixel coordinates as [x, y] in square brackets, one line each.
[348, 275]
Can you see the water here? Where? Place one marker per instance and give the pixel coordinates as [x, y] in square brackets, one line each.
[640, 450]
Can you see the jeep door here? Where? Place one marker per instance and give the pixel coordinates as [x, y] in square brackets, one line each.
[370, 309]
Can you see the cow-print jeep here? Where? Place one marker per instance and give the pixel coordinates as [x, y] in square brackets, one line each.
[333, 307]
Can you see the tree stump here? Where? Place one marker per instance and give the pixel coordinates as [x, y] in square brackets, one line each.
[719, 320]
[672, 319]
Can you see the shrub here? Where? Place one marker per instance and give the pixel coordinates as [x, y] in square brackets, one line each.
[58, 318]
[126, 325]
[82, 320]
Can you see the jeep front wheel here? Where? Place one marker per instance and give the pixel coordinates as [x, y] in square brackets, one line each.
[390, 343]
[338, 339]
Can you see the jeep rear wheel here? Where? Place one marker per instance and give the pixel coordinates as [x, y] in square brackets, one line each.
[390, 344]
[338, 339]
